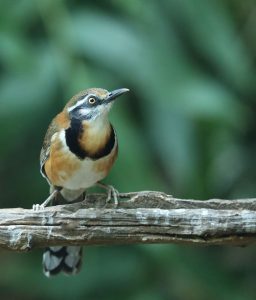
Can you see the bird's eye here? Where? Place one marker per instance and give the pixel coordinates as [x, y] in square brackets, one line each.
[92, 100]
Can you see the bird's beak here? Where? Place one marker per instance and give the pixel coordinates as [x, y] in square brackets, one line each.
[114, 94]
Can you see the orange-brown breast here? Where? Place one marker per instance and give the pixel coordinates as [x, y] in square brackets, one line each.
[60, 165]
[92, 141]
[105, 164]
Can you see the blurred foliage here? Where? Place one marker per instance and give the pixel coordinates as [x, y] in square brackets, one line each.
[187, 128]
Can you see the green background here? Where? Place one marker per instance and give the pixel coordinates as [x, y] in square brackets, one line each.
[187, 128]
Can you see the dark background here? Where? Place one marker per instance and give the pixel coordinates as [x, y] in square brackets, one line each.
[187, 128]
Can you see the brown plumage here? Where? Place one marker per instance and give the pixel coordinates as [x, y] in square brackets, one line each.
[79, 149]
[61, 121]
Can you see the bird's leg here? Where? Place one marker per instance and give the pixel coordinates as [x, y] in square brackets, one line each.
[112, 192]
[37, 207]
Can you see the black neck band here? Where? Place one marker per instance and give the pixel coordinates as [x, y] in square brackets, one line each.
[73, 134]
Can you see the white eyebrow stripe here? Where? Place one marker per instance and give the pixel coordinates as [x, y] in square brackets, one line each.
[78, 103]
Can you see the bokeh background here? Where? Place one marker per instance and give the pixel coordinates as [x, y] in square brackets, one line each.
[188, 128]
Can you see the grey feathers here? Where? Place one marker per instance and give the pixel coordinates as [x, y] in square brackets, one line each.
[67, 259]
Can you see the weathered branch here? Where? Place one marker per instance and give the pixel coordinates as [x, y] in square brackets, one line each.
[146, 217]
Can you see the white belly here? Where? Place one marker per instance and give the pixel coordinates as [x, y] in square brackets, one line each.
[84, 177]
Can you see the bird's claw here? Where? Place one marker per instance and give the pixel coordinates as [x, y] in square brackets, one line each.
[112, 192]
[38, 207]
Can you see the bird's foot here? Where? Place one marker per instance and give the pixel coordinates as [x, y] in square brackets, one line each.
[111, 193]
[37, 207]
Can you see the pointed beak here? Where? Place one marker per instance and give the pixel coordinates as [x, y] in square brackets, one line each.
[114, 94]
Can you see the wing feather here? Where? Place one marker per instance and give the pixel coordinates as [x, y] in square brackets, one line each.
[60, 122]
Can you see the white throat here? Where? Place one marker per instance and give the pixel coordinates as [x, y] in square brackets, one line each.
[99, 125]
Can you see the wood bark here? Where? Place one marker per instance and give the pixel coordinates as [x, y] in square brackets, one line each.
[143, 217]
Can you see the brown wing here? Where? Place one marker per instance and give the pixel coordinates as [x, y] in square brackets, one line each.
[61, 121]
[45, 151]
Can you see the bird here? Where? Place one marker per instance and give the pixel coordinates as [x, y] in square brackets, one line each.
[79, 149]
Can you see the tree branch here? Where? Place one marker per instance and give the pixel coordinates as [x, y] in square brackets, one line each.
[144, 217]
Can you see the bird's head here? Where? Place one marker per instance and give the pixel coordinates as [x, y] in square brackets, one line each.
[92, 103]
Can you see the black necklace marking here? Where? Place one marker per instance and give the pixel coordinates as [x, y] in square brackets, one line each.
[107, 148]
[73, 134]
[72, 138]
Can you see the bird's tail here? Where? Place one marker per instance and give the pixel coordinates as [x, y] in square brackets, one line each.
[66, 259]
